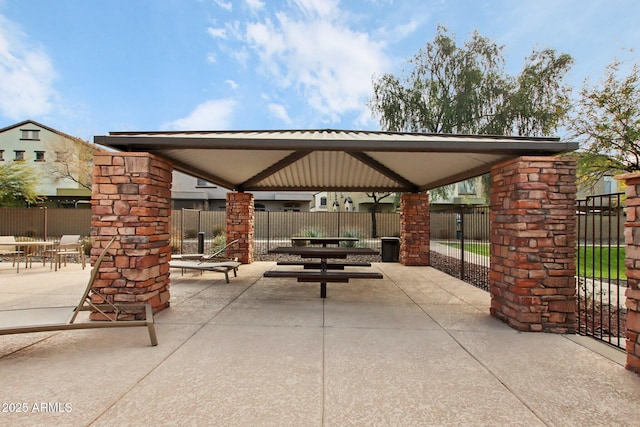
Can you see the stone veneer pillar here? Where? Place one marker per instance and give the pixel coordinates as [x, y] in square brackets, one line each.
[533, 237]
[414, 229]
[132, 200]
[632, 262]
[240, 225]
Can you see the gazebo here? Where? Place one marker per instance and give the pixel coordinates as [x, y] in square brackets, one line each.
[533, 215]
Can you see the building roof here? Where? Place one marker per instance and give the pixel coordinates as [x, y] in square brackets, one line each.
[331, 160]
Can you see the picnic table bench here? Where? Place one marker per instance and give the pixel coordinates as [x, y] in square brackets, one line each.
[323, 275]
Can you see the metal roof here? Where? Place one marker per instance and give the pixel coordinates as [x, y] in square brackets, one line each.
[331, 160]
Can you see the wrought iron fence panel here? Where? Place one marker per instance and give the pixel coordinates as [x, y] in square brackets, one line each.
[460, 242]
[601, 279]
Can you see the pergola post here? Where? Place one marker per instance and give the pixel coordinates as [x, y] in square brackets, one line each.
[533, 237]
[414, 229]
[132, 200]
[240, 225]
[632, 262]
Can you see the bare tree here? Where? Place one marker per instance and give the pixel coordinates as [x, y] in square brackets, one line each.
[73, 160]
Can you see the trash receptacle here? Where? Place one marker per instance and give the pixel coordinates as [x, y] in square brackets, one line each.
[390, 249]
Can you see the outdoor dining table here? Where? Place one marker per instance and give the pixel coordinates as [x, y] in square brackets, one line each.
[28, 246]
[322, 273]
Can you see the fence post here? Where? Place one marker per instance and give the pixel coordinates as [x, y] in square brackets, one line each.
[462, 243]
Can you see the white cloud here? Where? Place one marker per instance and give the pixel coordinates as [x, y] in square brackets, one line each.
[232, 84]
[330, 64]
[26, 75]
[225, 5]
[255, 5]
[279, 112]
[217, 32]
[215, 114]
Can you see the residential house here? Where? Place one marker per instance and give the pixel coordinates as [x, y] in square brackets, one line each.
[53, 157]
[193, 193]
[349, 202]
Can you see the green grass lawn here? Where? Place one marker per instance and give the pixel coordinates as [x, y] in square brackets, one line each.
[591, 261]
[600, 262]
[473, 247]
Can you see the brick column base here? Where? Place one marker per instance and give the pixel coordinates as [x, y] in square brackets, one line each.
[533, 237]
[240, 225]
[632, 262]
[414, 229]
[132, 200]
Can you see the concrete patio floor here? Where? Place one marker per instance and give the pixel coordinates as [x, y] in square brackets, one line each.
[416, 348]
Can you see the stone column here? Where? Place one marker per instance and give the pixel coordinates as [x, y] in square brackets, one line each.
[632, 262]
[414, 229]
[132, 200]
[533, 238]
[240, 225]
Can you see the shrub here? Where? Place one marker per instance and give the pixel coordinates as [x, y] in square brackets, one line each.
[350, 233]
[190, 233]
[218, 230]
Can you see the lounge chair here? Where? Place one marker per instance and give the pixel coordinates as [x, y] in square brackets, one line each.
[215, 262]
[21, 321]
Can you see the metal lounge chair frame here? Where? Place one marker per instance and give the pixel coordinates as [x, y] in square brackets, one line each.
[21, 321]
[201, 262]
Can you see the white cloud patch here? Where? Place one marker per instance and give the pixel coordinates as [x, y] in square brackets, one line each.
[226, 5]
[232, 84]
[330, 64]
[280, 112]
[217, 32]
[255, 5]
[26, 75]
[215, 114]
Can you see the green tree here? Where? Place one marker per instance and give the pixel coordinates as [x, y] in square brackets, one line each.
[73, 160]
[465, 90]
[607, 125]
[17, 184]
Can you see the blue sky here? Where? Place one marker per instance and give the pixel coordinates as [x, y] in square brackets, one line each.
[90, 67]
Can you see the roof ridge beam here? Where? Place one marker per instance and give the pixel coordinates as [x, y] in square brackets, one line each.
[276, 167]
[380, 168]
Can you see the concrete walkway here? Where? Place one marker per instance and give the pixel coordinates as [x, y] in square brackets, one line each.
[417, 348]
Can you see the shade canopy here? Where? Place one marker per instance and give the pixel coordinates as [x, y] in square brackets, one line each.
[331, 160]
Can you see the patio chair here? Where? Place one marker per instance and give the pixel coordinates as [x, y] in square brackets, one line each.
[69, 245]
[215, 262]
[21, 321]
[8, 248]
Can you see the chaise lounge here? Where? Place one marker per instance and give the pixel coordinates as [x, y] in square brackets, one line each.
[42, 319]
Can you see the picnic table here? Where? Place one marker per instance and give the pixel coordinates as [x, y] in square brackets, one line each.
[321, 269]
[324, 241]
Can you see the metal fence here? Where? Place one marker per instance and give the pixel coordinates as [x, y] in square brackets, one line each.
[273, 229]
[460, 242]
[600, 268]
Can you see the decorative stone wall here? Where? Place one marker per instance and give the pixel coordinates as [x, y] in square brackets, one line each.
[533, 237]
[414, 229]
[632, 262]
[240, 225]
[132, 200]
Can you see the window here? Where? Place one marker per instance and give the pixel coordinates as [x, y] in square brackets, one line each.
[610, 185]
[467, 187]
[30, 134]
[323, 201]
[1, 155]
[39, 156]
[19, 155]
[203, 183]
